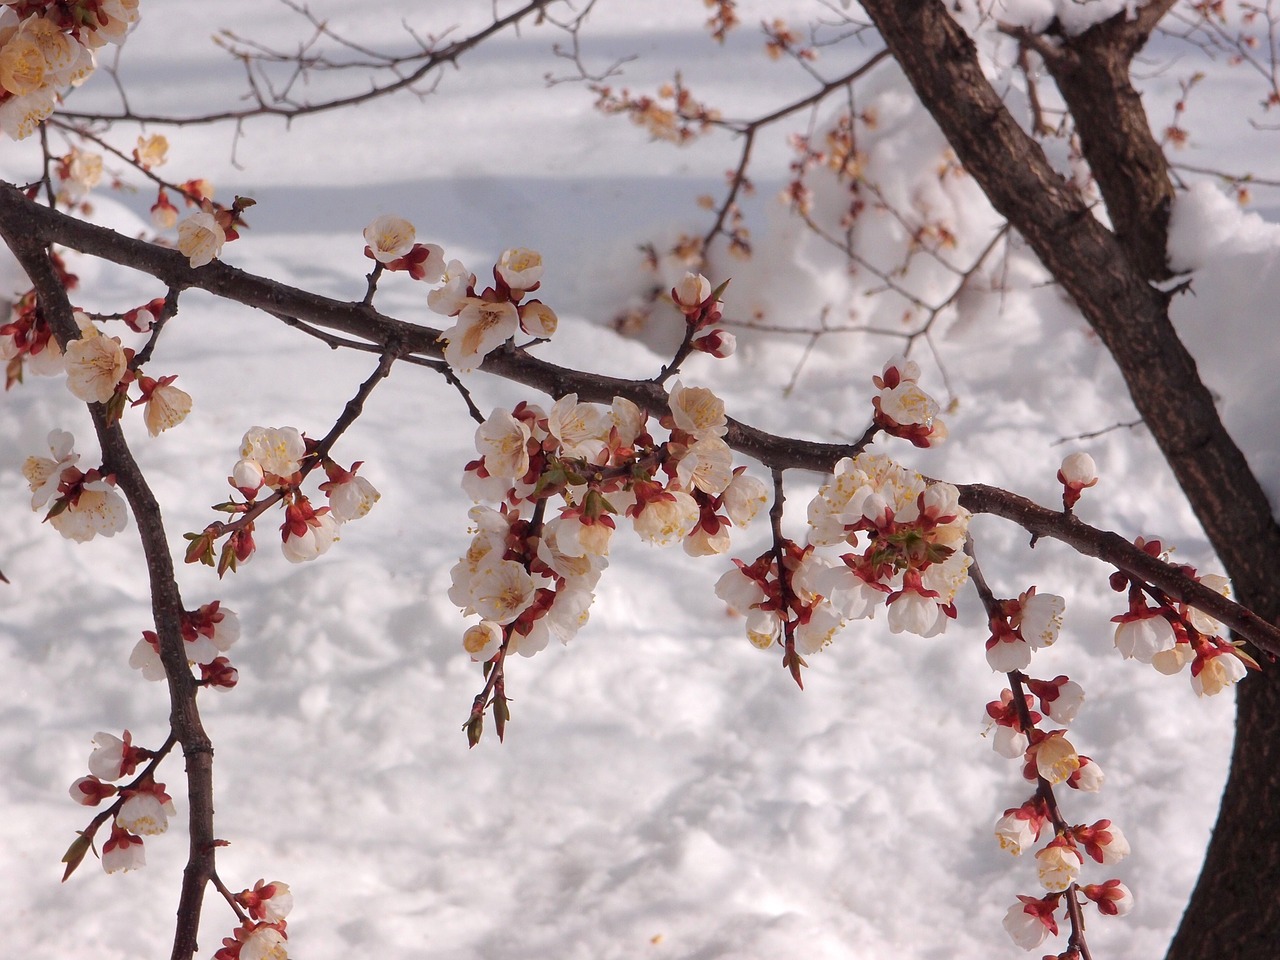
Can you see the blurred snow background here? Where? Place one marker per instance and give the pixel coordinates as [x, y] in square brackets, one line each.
[664, 790]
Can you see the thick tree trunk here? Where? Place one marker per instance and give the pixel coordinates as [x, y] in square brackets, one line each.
[1235, 909]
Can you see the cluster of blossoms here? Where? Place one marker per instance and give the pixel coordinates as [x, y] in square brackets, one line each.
[98, 368]
[207, 634]
[1169, 635]
[1049, 759]
[530, 577]
[47, 46]
[202, 235]
[701, 307]
[273, 463]
[262, 935]
[86, 504]
[483, 320]
[141, 808]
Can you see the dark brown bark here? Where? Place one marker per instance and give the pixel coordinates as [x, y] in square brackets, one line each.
[1235, 911]
[166, 601]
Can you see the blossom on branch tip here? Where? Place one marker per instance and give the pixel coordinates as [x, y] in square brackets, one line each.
[1112, 897]
[200, 238]
[152, 151]
[1088, 777]
[350, 496]
[1216, 669]
[1103, 841]
[482, 640]
[123, 851]
[537, 319]
[166, 405]
[1030, 920]
[1077, 474]
[269, 902]
[389, 237]
[113, 757]
[277, 450]
[307, 533]
[520, 269]
[90, 791]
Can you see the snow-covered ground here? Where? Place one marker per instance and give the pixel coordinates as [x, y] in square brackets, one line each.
[664, 790]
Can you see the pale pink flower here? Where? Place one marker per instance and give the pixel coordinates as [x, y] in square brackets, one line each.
[1088, 778]
[707, 464]
[146, 657]
[352, 498]
[90, 791]
[743, 498]
[200, 238]
[313, 541]
[1217, 673]
[1026, 926]
[537, 319]
[451, 297]
[1009, 742]
[691, 291]
[108, 759]
[266, 942]
[819, 630]
[1143, 637]
[907, 404]
[763, 628]
[738, 591]
[1201, 620]
[520, 269]
[44, 474]
[122, 852]
[1171, 661]
[1039, 618]
[389, 237]
[482, 640]
[269, 902]
[94, 367]
[152, 151]
[167, 407]
[697, 411]
[145, 814]
[1056, 759]
[581, 428]
[1079, 470]
[1018, 829]
[1063, 708]
[501, 591]
[1058, 865]
[1008, 653]
[98, 511]
[278, 450]
[912, 612]
[482, 327]
[1112, 897]
[20, 115]
[247, 476]
[664, 522]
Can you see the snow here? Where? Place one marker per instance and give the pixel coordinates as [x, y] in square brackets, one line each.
[664, 790]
